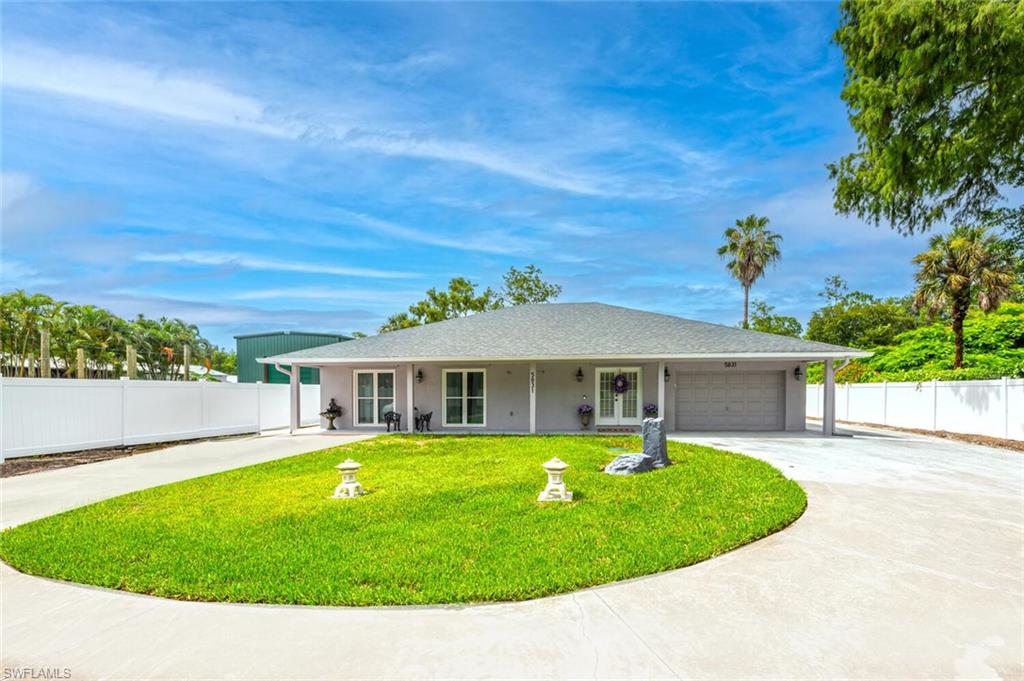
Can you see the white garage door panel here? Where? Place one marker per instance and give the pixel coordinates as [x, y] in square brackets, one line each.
[730, 401]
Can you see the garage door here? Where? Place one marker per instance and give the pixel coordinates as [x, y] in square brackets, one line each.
[730, 401]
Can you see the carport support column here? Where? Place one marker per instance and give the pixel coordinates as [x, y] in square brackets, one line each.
[533, 398]
[661, 389]
[828, 400]
[294, 402]
[409, 402]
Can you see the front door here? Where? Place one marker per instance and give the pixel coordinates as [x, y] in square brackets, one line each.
[619, 392]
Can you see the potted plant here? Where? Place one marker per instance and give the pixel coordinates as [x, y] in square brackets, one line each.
[584, 411]
[651, 410]
[332, 412]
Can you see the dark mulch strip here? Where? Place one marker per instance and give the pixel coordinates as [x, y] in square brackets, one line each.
[23, 465]
[1003, 443]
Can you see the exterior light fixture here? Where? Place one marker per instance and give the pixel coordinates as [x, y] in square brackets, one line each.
[349, 487]
[555, 490]
[797, 374]
[667, 375]
[579, 375]
[419, 375]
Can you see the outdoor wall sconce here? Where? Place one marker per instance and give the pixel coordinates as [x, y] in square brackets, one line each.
[419, 375]
[349, 488]
[667, 375]
[579, 375]
[797, 374]
[555, 490]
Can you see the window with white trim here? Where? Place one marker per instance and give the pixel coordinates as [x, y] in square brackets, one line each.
[465, 397]
[374, 396]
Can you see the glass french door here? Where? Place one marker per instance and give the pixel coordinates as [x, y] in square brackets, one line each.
[619, 409]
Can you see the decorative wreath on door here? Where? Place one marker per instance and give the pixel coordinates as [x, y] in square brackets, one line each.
[620, 384]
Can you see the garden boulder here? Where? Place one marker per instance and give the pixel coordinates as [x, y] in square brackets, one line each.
[655, 454]
[655, 441]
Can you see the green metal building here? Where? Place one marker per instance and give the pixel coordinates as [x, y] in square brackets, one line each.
[250, 346]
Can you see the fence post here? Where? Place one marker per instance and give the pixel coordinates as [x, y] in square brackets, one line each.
[259, 407]
[849, 395]
[202, 405]
[186, 359]
[935, 404]
[885, 403]
[132, 361]
[44, 354]
[1006, 407]
[80, 363]
[124, 413]
[2, 450]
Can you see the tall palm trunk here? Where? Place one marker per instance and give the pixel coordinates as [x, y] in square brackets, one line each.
[959, 313]
[746, 307]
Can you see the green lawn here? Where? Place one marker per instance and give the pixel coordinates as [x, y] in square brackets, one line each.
[448, 520]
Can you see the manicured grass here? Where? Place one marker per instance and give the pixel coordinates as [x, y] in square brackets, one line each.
[449, 520]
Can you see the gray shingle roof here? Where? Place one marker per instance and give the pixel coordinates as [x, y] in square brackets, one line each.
[565, 330]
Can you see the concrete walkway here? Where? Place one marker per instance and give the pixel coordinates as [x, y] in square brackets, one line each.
[37, 495]
[907, 563]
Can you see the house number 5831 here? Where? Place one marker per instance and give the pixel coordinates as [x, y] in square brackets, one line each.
[730, 365]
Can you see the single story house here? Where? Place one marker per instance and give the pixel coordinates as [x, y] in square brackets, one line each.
[526, 369]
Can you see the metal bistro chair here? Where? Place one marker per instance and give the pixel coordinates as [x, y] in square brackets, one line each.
[423, 421]
[395, 419]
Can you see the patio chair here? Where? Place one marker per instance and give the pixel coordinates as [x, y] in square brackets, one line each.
[393, 418]
[423, 421]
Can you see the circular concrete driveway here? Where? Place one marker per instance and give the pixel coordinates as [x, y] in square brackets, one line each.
[907, 563]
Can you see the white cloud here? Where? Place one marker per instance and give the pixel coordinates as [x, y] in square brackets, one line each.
[371, 296]
[211, 258]
[136, 86]
[28, 208]
[404, 144]
[200, 98]
[498, 243]
[15, 274]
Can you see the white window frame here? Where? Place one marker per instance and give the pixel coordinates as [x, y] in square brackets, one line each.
[376, 397]
[465, 398]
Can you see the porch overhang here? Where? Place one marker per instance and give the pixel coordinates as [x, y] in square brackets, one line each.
[724, 356]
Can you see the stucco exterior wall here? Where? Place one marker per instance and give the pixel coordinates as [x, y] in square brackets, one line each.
[336, 382]
[558, 392]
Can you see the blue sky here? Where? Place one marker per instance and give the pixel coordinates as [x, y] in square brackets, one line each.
[319, 166]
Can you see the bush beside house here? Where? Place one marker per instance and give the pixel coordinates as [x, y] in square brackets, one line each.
[993, 347]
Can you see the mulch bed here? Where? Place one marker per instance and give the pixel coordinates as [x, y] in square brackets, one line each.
[23, 465]
[1003, 443]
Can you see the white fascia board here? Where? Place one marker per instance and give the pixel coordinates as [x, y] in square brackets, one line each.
[798, 356]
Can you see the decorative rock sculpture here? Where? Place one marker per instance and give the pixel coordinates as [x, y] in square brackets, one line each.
[349, 487]
[655, 454]
[627, 464]
[555, 490]
[655, 441]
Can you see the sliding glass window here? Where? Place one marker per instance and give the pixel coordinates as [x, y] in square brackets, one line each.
[465, 397]
[374, 396]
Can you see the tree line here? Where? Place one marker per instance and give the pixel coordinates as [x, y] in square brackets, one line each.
[461, 298]
[33, 325]
[970, 267]
[932, 91]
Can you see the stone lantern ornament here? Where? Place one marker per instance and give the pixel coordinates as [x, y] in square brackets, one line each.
[349, 487]
[555, 490]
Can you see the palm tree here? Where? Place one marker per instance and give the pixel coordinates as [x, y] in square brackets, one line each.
[750, 247]
[966, 264]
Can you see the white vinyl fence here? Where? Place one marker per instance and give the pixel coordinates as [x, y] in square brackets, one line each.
[994, 408]
[50, 415]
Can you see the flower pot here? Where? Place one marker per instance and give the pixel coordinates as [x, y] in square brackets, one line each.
[330, 423]
[584, 421]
